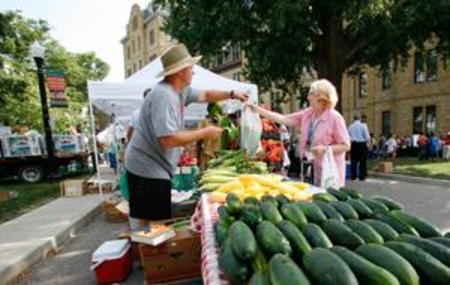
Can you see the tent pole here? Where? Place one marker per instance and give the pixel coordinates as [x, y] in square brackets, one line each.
[94, 141]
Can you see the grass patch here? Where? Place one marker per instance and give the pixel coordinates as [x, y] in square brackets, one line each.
[439, 169]
[29, 196]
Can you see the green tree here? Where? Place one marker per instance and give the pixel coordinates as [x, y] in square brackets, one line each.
[19, 95]
[284, 38]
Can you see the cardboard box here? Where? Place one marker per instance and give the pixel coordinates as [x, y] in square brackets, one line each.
[385, 167]
[72, 188]
[93, 187]
[176, 259]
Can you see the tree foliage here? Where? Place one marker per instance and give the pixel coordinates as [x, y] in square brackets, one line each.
[19, 95]
[284, 38]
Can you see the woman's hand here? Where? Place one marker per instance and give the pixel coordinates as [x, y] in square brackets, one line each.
[318, 150]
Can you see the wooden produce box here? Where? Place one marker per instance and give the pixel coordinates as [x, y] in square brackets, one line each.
[72, 188]
[176, 259]
[385, 167]
[93, 187]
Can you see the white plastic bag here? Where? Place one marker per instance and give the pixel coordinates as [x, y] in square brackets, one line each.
[330, 175]
[251, 129]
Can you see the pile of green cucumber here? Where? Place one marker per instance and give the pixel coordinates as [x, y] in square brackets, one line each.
[340, 237]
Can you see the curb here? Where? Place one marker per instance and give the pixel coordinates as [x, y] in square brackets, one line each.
[11, 274]
[411, 179]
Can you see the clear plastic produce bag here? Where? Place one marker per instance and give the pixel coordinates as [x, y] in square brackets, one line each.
[251, 129]
[330, 175]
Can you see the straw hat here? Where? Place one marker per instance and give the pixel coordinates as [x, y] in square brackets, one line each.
[176, 58]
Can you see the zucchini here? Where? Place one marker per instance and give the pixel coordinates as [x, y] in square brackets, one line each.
[271, 239]
[242, 240]
[282, 199]
[233, 204]
[221, 231]
[224, 215]
[329, 211]
[385, 230]
[353, 193]
[391, 261]
[398, 225]
[270, 212]
[365, 231]
[259, 278]
[325, 197]
[447, 235]
[259, 262]
[345, 210]
[316, 236]
[270, 199]
[361, 208]
[236, 271]
[374, 205]
[297, 240]
[312, 212]
[293, 213]
[388, 202]
[327, 268]
[423, 227]
[441, 240]
[430, 269]
[340, 234]
[365, 271]
[283, 271]
[251, 215]
[340, 195]
[437, 250]
[251, 200]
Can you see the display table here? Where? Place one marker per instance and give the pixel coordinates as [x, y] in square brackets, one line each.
[203, 222]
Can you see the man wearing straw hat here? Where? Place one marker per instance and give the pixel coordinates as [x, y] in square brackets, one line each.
[153, 153]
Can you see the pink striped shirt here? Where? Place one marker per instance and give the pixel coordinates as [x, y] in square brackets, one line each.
[331, 129]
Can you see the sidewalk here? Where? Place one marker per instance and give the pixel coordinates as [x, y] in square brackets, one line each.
[411, 179]
[29, 238]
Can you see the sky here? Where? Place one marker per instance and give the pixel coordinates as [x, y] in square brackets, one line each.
[84, 25]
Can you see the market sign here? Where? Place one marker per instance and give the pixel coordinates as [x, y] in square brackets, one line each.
[56, 84]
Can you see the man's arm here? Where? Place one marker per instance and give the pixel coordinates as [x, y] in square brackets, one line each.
[183, 138]
[215, 95]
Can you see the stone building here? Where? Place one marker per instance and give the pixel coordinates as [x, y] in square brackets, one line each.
[144, 40]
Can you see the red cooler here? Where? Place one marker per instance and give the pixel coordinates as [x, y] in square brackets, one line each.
[112, 261]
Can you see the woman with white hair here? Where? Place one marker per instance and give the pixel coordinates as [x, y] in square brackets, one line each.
[320, 126]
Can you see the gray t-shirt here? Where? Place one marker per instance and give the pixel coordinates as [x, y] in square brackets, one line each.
[161, 114]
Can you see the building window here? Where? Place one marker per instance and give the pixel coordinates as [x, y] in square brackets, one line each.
[237, 76]
[133, 46]
[152, 57]
[387, 78]
[419, 68]
[135, 23]
[128, 53]
[386, 123]
[129, 72]
[139, 43]
[431, 118]
[236, 52]
[362, 84]
[431, 65]
[151, 37]
[134, 67]
[417, 120]
[140, 64]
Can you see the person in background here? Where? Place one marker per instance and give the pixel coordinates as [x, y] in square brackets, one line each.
[422, 142]
[285, 138]
[446, 147]
[435, 146]
[373, 147]
[153, 153]
[360, 139]
[321, 126]
[382, 146]
[391, 147]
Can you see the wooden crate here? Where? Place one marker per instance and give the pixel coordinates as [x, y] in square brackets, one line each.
[176, 259]
[72, 188]
[385, 167]
[93, 187]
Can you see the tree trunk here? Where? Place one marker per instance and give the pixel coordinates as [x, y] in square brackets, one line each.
[334, 76]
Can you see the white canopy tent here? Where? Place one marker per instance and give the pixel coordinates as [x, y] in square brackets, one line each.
[120, 99]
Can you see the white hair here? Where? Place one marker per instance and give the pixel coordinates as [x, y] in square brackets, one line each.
[326, 90]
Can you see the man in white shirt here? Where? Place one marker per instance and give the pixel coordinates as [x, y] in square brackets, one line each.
[360, 138]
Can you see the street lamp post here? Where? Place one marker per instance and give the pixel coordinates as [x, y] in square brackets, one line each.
[37, 52]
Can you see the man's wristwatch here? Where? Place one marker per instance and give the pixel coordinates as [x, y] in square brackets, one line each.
[232, 94]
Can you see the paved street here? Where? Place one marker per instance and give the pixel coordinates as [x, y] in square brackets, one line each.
[71, 265]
